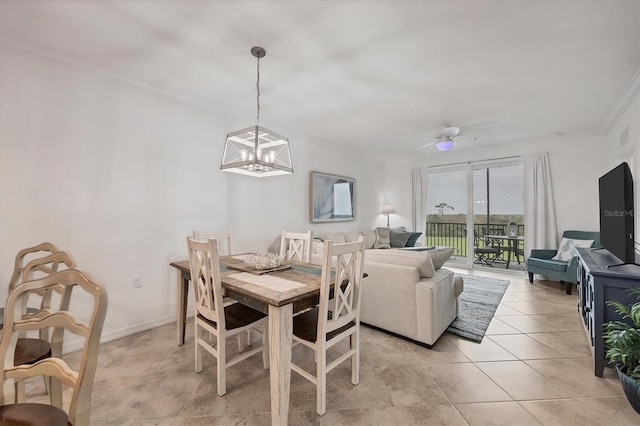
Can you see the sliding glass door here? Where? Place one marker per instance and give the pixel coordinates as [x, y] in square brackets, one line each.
[498, 215]
[447, 212]
[478, 209]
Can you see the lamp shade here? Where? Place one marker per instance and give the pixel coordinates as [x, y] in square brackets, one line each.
[256, 151]
[388, 209]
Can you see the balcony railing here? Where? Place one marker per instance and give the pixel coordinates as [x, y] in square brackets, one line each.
[455, 235]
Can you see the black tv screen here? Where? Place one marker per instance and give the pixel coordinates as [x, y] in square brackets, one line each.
[616, 213]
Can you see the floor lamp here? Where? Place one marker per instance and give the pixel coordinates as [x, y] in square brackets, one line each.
[388, 209]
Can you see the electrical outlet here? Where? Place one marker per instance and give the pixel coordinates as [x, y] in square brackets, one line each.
[137, 281]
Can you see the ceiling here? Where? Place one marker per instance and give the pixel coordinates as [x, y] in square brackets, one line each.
[379, 77]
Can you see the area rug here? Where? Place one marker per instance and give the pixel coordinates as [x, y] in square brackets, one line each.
[478, 303]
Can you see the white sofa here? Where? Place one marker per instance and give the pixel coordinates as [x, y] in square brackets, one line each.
[406, 292]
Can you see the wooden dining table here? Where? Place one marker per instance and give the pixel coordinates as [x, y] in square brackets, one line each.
[279, 294]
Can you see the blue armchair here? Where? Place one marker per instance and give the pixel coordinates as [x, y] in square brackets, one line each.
[541, 262]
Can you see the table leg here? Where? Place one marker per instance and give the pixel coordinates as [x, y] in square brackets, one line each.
[509, 254]
[181, 313]
[280, 331]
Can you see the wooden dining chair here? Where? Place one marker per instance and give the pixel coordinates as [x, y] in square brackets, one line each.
[214, 317]
[335, 319]
[81, 380]
[223, 238]
[225, 247]
[30, 350]
[296, 245]
[23, 258]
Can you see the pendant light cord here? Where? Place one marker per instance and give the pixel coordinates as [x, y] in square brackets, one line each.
[258, 93]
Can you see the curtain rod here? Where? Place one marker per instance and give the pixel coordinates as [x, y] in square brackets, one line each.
[489, 160]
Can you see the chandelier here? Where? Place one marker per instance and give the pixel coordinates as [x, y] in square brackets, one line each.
[256, 151]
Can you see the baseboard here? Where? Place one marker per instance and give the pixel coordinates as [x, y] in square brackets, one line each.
[71, 345]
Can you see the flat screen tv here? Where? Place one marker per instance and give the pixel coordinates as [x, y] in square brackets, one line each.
[616, 213]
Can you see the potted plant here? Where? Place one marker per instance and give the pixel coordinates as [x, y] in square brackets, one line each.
[622, 343]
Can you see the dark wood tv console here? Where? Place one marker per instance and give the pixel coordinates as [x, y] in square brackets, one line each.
[597, 285]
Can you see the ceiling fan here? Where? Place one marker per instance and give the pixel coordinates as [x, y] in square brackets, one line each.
[444, 139]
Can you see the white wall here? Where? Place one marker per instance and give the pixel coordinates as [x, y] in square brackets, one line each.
[627, 115]
[117, 176]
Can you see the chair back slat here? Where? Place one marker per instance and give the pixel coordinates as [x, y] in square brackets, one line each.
[224, 239]
[44, 266]
[23, 258]
[205, 274]
[296, 245]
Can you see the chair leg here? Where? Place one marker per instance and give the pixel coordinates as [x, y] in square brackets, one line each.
[249, 337]
[222, 364]
[354, 341]
[55, 391]
[198, 360]
[20, 391]
[567, 287]
[531, 277]
[240, 343]
[321, 379]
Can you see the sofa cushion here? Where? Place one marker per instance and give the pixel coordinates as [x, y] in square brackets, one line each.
[399, 238]
[440, 255]
[552, 265]
[383, 238]
[420, 260]
[567, 248]
[351, 237]
[411, 242]
[336, 237]
[369, 238]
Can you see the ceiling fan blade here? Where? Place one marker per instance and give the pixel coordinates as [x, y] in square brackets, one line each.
[426, 145]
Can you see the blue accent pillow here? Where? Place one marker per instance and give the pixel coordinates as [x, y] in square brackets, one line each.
[399, 239]
[412, 239]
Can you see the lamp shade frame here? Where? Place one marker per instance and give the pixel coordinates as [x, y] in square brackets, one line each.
[256, 151]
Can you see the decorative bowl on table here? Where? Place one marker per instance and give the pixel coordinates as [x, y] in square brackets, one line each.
[263, 261]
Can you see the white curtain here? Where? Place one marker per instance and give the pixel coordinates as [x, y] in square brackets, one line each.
[419, 184]
[539, 211]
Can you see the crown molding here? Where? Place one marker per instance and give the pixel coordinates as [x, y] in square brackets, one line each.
[79, 67]
[629, 95]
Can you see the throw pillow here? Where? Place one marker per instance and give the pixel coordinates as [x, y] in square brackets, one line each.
[399, 239]
[318, 246]
[419, 260]
[568, 246]
[411, 242]
[440, 255]
[383, 238]
[369, 238]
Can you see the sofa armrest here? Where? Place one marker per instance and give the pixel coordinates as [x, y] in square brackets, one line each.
[388, 297]
[573, 263]
[543, 254]
[399, 275]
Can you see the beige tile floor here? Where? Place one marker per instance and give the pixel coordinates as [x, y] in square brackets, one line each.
[533, 367]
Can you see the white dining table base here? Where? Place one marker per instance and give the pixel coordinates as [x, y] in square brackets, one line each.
[280, 332]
